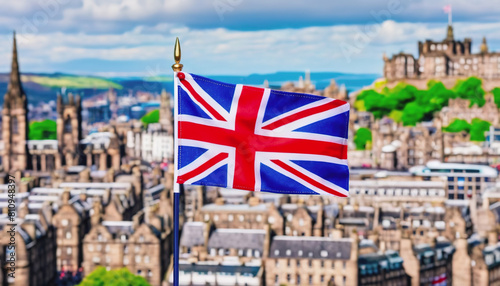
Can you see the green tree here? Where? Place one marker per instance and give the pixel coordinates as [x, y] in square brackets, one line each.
[43, 130]
[496, 96]
[119, 277]
[412, 114]
[471, 89]
[458, 125]
[478, 128]
[363, 138]
[151, 117]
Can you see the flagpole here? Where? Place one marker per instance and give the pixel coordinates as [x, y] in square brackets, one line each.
[450, 15]
[177, 67]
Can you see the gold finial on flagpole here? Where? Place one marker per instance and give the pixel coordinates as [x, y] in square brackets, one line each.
[177, 67]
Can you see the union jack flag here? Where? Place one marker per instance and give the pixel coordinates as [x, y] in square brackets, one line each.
[258, 139]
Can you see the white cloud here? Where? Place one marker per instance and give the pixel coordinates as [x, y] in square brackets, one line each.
[349, 48]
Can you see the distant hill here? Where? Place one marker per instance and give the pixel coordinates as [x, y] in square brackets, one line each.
[44, 87]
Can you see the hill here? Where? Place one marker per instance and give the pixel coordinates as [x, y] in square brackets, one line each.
[44, 87]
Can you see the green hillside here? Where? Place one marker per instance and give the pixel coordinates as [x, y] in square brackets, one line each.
[151, 117]
[74, 82]
[407, 104]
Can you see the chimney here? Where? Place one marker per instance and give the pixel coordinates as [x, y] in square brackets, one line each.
[492, 237]
[253, 201]
[219, 201]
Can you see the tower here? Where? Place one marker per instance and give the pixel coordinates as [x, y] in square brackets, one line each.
[69, 130]
[15, 121]
[484, 46]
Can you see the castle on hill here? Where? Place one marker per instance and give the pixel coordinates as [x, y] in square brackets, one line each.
[444, 59]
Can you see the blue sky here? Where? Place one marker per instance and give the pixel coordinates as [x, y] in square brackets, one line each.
[135, 38]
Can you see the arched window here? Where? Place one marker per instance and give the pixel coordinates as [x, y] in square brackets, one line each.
[14, 126]
[67, 125]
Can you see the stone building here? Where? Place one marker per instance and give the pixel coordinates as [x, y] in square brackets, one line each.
[427, 264]
[382, 269]
[72, 223]
[312, 261]
[142, 247]
[397, 148]
[69, 130]
[301, 220]
[104, 149]
[15, 155]
[446, 58]
[35, 247]
[254, 215]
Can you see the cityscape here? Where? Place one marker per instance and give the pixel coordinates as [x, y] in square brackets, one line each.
[87, 181]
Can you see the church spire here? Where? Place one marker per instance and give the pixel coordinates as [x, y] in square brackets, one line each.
[15, 91]
[15, 77]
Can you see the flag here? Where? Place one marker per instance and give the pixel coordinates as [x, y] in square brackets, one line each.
[258, 139]
[447, 9]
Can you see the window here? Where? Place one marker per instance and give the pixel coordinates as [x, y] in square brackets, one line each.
[310, 279]
[64, 222]
[242, 218]
[324, 253]
[257, 253]
[69, 250]
[298, 263]
[146, 259]
[276, 252]
[288, 277]
[125, 249]
[68, 235]
[249, 253]
[300, 252]
[270, 220]
[230, 217]
[221, 252]
[125, 260]
[14, 126]
[67, 125]
[150, 273]
[107, 248]
[137, 259]
[258, 218]
[322, 278]
[141, 238]
[276, 278]
[288, 252]
[207, 217]
[213, 252]
[99, 247]
[310, 263]
[91, 247]
[216, 217]
[123, 237]
[301, 222]
[298, 279]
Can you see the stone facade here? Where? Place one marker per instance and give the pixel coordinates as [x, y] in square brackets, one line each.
[441, 59]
